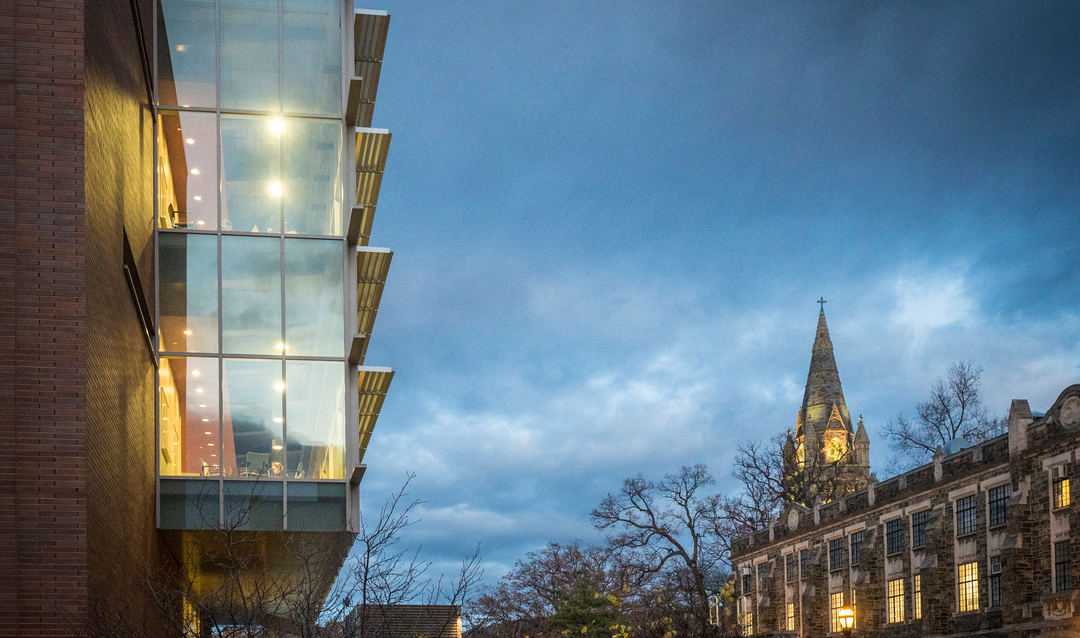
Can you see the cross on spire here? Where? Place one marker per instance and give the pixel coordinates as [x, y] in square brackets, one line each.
[822, 302]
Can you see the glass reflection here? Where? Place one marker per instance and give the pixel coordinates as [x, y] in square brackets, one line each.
[190, 438]
[316, 419]
[311, 36]
[187, 170]
[251, 295]
[187, 293]
[316, 507]
[254, 505]
[186, 47]
[314, 290]
[249, 55]
[252, 420]
[313, 190]
[251, 159]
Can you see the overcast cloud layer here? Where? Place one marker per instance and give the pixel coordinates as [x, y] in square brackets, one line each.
[611, 221]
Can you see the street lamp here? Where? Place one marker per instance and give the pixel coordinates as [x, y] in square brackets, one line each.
[846, 617]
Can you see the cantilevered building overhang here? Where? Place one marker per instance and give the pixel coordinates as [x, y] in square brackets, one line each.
[267, 185]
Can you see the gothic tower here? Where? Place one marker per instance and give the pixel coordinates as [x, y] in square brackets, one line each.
[824, 437]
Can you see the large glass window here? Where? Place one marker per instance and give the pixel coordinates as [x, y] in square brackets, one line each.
[836, 603]
[856, 547]
[836, 554]
[187, 170]
[251, 295]
[995, 581]
[316, 419]
[186, 49]
[313, 191]
[189, 504]
[189, 436]
[789, 562]
[251, 167]
[273, 55]
[916, 588]
[187, 294]
[312, 68]
[1062, 565]
[314, 302]
[253, 419]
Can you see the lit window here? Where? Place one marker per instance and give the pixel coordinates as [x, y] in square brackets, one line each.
[969, 586]
[896, 600]
[854, 615]
[836, 603]
[917, 587]
[791, 616]
[836, 554]
[919, 521]
[894, 536]
[1062, 577]
[1061, 489]
[965, 515]
[999, 496]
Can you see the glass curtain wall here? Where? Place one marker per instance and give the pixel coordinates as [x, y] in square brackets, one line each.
[251, 261]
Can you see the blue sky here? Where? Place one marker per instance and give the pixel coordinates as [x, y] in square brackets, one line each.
[611, 221]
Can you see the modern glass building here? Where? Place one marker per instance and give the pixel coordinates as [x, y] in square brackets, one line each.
[267, 175]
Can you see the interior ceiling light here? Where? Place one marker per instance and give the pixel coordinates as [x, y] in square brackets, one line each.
[190, 141]
[198, 389]
[277, 125]
[194, 171]
[187, 332]
[200, 222]
[195, 373]
[279, 386]
[278, 419]
[275, 189]
[198, 198]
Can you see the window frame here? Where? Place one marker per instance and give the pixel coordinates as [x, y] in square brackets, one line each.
[836, 554]
[997, 499]
[894, 538]
[919, 522]
[1062, 566]
[855, 548]
[995, 582]
[967, 587]
[916, 590]
[894, 601]
[966, 511]
[1060, 488]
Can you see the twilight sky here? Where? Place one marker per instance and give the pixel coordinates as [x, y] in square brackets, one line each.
[611, 221]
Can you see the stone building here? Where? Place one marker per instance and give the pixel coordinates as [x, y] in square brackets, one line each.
[187, 293]
[977, 542]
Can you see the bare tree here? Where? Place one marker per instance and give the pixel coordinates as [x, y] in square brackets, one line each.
[953, 410]
[671, 526]
[231, 588]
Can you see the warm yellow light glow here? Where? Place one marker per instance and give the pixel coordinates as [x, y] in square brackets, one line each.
[198, 389]
[282, 346]
[187, 332]
[277, 125]
[275, 189]
[194, 171]
[207, 432]
[202, 405]
[198, 198]
[181, 47]
[206, 421]
[278, 419]
[195, 373]
[277, 444]
[210, 444]
[190, 141]
[846, 618]
[200, 222]
[279, 386]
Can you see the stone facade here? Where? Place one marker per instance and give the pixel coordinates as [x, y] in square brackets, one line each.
[980, 544]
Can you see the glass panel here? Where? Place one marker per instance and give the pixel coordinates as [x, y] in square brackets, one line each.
[186, 44]
[316, 419]
[251, 295]
[187, 295]
[311, 38]
[189, 504]
[249, 55]
[314, 306]
[190, 436]
[254, 505]
[313, 190]
[316, 507]
[253, 419]
[251, 161]
[187, 183]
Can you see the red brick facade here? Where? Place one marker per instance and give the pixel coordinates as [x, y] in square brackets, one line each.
[76, 379]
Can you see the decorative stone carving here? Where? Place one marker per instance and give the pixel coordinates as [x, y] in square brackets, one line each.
[1070, 412]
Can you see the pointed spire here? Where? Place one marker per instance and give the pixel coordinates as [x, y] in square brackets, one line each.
[860, 434]
[823, 390]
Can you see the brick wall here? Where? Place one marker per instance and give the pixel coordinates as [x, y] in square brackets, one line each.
[42, 318]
